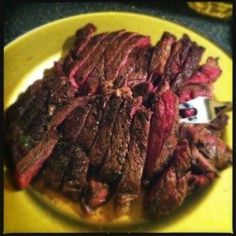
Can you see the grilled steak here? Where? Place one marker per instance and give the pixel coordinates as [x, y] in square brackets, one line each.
[97, 77]
[56, 165]
[162, 137]
[161, 53]
[189, 67]
[187, 172]
[116, 154]
[88, 133]
[177, 58]
[75, 176]
[103, 123]
[130, 184]
[102, 140]
[90, 64]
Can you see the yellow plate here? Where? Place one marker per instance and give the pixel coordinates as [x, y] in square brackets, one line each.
[28, 56]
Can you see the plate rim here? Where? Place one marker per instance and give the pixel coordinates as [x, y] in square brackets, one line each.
[57, 21]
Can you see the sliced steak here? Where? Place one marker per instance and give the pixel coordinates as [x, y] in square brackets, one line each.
[161, 53]
[84, 55]
[55, 166]
[141, 72]
[29, 165]
[126, 70]
[75, 122]
[208, 73]
[190, 66]
[130, 183]
[137, 41]
[83, 36]
[192, 91]
[177, 58]
[97, 76]
[170, 190]
[29, 127]
[218, 124]
[187, 172]
[75, 176]
[89, 131]
[16, 110]
[162, 137]
[105, 130]
[116, 156]
[211, 146]
[90, 64]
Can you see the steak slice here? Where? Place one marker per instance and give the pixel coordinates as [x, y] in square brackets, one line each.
[137, 41]
[217, 125]
[211, 146]
[208, 73]
[56, 165]
[190, 66]
[90, 64]
[17, 109]
[141, 72]
[83, 36]
[105, 130]
[75, 122]
[84, 55]
[162, 137]
[170, 189]
[89, 131]
[28, 129]
[188, 171]
[126, 70]
[176, 59]
[161, 53]
[75, 177]
[130, 183]
[29, 165]
[192, 91]
[97, 76]
[58, 94]
[115, 156]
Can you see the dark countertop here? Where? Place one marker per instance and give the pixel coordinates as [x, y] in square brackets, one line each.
[22, 17]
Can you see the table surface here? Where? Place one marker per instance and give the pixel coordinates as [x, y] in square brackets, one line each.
[22, 17]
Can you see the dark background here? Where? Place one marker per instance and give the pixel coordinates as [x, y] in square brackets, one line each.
[22, 17]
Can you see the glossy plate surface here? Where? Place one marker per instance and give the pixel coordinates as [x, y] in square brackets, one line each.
[30, 210]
